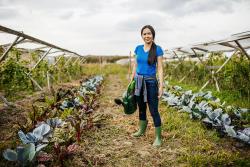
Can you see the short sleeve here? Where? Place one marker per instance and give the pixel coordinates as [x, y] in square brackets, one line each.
[136, 49]
[159, 51]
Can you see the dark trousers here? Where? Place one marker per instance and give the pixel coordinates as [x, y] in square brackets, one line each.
[152, 100]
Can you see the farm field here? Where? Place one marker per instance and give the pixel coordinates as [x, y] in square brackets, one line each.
[129, 83]
[107, 141]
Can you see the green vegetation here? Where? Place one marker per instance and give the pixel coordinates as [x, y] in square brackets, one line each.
[15, 84]
[195, 145]
[107, 69]
[57, 136]
[185, 142]
[14, 70]
[103, 59]
[233, 79]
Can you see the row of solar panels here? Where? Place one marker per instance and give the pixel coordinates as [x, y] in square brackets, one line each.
[239, 41]
[30, 43]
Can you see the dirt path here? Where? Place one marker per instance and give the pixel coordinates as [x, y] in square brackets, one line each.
[112, 145]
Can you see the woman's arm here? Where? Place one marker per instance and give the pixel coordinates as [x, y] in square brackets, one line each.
[134, 66]
[160, 74]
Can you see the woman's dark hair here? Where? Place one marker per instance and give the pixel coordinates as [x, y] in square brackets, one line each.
[152, 51]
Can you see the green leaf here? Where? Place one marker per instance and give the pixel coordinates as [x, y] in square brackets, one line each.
[30, 150]
[10, 155]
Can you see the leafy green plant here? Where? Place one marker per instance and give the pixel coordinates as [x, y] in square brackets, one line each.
[14, 70]
[66, 112]
[54, 122]
[64, 135]
[38, 114]
[63, 152]
[212, 112]
[37, 136]
[13, 77]
[22, 154]
[234, 76]
[78, 123]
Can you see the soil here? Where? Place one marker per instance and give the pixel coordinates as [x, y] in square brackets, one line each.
[113, 145]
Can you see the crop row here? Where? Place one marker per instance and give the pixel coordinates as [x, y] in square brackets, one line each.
[227, 120]
[53, 133]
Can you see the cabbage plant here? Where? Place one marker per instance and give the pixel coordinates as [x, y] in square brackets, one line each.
[203, 105]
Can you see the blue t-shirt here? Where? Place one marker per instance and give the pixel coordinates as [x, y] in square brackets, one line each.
[143, 68]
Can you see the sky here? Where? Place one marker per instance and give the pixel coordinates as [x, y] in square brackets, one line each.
[112, 27]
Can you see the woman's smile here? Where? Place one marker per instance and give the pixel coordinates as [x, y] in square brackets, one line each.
[147, 35]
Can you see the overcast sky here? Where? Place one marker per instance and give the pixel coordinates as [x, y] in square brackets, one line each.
[112, 27]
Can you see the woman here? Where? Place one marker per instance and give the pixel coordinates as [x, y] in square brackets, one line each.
[148, 57]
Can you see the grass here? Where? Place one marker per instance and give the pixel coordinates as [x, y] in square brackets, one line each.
[196, 145]
[88, 70]
[230, 97]
[187, 142]
[202, 147]
[107, 69]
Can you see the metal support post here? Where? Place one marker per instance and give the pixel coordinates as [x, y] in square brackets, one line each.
[188, 72]
[75, 60]
[214, 78]
[60, 57]
[68, 61]
[34, 81]
[242, 49]
[193, 49]
[9, 48]
[40, 60]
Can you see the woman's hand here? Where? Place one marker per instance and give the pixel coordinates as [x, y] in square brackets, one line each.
[131, 79]
[160, 92]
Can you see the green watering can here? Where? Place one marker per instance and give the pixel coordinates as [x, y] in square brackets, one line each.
[128, 99]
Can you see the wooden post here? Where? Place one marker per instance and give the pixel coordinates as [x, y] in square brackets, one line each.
[129, 65]
[48, 80]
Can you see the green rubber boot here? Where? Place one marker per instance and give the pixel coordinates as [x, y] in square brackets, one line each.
[142, 128]
[157, 141]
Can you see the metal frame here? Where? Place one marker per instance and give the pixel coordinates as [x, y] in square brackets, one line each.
[193, 49]
[242, 49]
[214, 78]
[33, 39]
[44, 55]
[188, 73]
[236, 38]
[23, 38]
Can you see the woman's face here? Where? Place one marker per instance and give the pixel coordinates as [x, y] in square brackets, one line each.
[147, 36]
